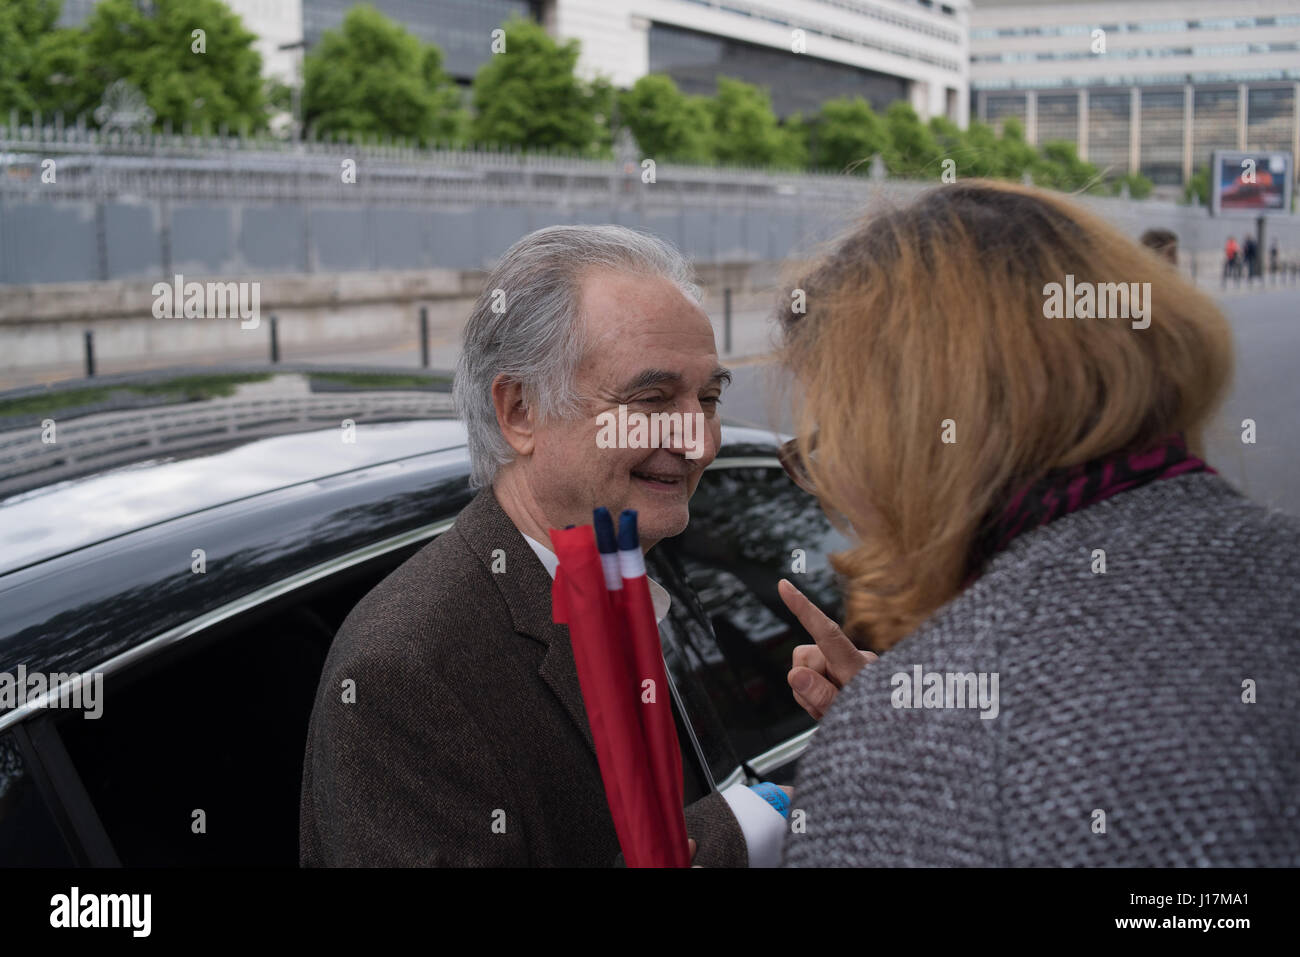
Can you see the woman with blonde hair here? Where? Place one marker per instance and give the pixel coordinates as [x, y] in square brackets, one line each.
[1088, 641]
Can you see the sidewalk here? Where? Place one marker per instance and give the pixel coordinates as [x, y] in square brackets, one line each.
[752, 335]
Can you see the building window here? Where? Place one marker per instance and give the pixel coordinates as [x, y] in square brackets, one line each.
[797, 82]
[1161, 158]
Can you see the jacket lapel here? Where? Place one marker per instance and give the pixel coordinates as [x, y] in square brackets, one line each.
[525, 586]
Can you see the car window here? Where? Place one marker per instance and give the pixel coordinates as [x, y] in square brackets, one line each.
[749, 528]
[217, 725]
[29, 836]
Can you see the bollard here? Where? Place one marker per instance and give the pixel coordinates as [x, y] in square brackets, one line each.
[726, 321]
[90, 354]
[275, 339]
[424, 337]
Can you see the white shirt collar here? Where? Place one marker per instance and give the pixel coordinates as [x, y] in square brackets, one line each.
[659, 595]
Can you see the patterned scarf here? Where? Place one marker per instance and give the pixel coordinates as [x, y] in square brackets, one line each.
[1068, 490]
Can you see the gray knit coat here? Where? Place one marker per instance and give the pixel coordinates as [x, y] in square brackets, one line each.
[1147, 716]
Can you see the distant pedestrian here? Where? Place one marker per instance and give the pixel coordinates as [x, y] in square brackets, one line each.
[1250, 252]
[1272, 261]
[1230, 253]
[1162, 242]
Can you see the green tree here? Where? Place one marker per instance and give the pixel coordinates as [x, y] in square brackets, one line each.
[529, 96]
[40, 66]
[155, 49]
[1198, 186]
[913, 150]
[978, 153]
[1013, 156]
[1139, 187]
[747, 130]
[845, 134]
[1059, 167]
[372, 78]
[666, 122]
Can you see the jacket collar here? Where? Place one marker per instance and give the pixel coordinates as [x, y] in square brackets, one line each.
[525, 587]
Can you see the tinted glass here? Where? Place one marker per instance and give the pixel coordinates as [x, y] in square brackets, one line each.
[28, 834]
[749, 528]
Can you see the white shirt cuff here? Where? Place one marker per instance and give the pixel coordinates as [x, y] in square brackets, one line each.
[762, 825]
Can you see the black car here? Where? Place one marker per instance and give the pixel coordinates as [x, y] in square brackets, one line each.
[201, 554]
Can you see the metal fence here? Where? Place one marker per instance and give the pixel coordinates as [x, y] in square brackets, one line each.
[89, 164]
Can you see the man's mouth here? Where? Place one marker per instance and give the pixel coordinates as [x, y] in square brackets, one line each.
[659, 480]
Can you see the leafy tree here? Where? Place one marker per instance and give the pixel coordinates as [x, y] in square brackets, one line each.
[977, 152]
[1198, 186]
[529, 96]
[667, 123]
[792, 144]
[373, 78]
[747, 130]
[913, 150]
[845, 134]
[1139, 187]
[1013, 155]
[39, 65]
[154, 49]
[1059, 167]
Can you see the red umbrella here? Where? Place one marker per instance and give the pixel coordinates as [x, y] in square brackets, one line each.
[616, 650]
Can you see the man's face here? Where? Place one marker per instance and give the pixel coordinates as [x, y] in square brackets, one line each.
[651, 348]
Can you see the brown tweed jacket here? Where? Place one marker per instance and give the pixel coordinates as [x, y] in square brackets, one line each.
[467, 743]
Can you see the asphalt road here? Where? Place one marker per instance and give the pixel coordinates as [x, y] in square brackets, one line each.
[1266, 389]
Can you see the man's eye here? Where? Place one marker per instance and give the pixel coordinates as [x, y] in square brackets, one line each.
[649, 398]
[711, 401]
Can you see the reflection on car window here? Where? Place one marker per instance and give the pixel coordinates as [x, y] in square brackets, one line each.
[749, 528]
[28, 835]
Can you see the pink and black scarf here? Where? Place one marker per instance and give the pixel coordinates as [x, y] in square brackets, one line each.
[1068, 490]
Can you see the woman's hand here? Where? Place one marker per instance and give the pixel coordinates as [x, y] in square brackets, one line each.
[822, 669]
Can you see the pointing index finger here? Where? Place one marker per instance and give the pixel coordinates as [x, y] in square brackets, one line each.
[842, 656]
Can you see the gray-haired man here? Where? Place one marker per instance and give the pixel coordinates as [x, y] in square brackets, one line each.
[469, 743]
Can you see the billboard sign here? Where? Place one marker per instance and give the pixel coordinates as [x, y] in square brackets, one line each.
[1252, 183]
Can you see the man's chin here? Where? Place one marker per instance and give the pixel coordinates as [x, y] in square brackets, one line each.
[656, 521]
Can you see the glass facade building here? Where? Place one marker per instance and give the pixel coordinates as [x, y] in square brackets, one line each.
[797, 83]
[462, 29]
[1155, 89]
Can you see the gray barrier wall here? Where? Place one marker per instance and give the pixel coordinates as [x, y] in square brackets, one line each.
[85, 241]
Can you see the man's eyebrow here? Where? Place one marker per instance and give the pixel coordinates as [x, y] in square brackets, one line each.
[652, 377]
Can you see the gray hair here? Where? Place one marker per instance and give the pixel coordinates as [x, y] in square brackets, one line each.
[534, 335]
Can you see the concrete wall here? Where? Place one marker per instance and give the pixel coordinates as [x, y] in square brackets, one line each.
[83, 241]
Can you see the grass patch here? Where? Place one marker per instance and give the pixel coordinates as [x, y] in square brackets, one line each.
[184, 389]
[378, 380]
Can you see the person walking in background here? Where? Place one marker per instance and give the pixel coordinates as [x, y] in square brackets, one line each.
[1087, 639]
[1230, 253]
[1272, 261]
[1250, 252]
[1162, 242]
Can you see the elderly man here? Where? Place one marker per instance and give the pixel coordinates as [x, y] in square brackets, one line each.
[468, 742]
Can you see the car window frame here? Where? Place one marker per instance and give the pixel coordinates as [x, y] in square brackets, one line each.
[757, 767]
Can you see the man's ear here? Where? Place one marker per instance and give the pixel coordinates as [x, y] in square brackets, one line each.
[515, 417]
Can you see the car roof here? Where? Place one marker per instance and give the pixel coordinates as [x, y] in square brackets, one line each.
[71, 514]
[130, 456]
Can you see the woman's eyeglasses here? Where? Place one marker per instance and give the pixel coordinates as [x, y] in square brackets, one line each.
[793, 462]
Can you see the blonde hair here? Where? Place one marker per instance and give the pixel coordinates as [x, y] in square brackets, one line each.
[935, 311]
